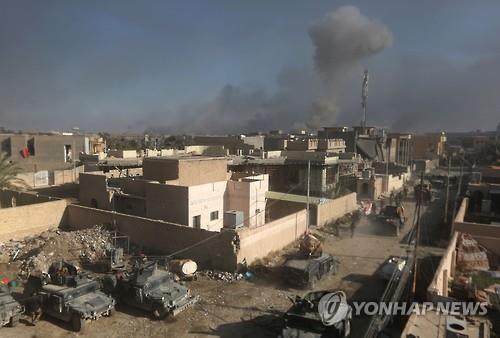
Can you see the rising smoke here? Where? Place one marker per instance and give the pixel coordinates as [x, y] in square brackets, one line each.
[341, 40]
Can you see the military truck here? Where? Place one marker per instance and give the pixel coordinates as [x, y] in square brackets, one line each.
[10, 309]
[305, 272]
[71, 296]
[152, 288]
[318, 314]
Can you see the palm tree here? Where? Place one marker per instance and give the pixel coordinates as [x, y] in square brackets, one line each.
[8, 175]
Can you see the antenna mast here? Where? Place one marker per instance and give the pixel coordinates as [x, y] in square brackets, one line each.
[364, 97]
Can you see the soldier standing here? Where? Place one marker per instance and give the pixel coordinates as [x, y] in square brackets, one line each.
[34, 308]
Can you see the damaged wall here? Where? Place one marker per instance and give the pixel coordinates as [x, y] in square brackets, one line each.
[215, 251]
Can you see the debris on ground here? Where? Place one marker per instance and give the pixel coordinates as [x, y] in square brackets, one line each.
[221, 275]
[34, 254]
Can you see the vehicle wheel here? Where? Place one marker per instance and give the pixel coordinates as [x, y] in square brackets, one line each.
[111, 312]
[159, 311]
[77, 323]
[14, 320]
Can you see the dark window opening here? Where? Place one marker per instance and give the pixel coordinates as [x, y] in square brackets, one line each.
[197, 221]
[214, 215]
[31, 146]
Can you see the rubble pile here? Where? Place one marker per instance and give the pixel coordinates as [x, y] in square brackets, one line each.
[220, 275]
[470, 255]
[35, 254]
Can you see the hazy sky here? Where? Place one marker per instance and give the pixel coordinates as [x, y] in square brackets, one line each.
[229, 66]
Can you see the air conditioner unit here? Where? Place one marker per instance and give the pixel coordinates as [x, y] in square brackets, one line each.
[233, 219]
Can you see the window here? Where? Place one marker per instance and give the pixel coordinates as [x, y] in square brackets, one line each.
[214, 215]
[31, 146]
[68, 155]
[197, 221]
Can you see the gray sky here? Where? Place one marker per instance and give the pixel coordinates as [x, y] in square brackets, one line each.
[226, 66]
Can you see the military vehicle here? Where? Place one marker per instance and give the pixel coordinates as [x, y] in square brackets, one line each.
[318, 314]
[69, 295]
[392, 268]
[393, 216]
[303, 272]
[10, 309]
[151, 288]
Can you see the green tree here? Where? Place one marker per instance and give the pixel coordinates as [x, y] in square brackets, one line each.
[8, 175]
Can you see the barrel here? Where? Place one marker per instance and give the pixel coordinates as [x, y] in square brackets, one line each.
[183, 267]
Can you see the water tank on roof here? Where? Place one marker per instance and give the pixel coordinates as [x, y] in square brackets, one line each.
[233, 219]
[456, 327]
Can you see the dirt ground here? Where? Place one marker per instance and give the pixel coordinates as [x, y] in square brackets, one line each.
[252, 308]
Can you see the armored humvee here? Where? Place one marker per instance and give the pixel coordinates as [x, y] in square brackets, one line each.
[318, 314]
[151, 288]
[71, 296]
[10, 309]
[304, 272]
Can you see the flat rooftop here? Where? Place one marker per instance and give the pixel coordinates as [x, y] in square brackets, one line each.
[184, 158]
[434, 324]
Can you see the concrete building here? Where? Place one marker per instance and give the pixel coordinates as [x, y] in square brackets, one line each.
[366, 141]
[248, 194]
[428, 146]
[185, 170]
[235, 144]
[399, 148]
[331, 173]
[34, 152]
[189, 190]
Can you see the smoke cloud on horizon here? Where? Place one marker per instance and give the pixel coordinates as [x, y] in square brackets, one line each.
[341, 40]
[118, 66]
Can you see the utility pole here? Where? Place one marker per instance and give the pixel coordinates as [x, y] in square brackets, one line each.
[308, 188]
[417, 233]
[459, 189]
[447, 192]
